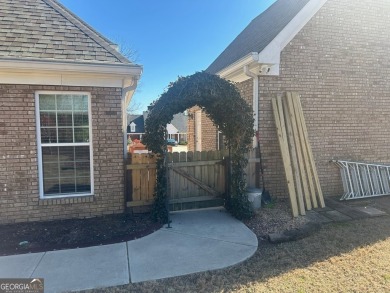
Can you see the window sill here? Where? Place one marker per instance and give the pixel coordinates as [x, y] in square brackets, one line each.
[66, 200]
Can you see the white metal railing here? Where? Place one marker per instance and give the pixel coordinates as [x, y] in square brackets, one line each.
[363, 180]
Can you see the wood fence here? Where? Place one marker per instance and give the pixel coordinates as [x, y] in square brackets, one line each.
[193, 176]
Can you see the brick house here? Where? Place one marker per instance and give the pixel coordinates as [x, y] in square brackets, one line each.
[64, 89]
[335, 54]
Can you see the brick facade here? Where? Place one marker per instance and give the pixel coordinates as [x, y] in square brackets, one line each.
[339, 64]
[19, 195]
[209, 131]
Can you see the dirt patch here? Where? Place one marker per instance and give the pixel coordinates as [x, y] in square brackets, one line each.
[64, 234]
[274, 217]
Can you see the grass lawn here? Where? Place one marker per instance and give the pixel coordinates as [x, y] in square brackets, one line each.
[342, 257]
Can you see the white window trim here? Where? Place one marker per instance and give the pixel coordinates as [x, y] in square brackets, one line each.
[39, 144]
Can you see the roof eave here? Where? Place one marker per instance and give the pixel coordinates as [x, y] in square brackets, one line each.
[67, 66]
[267, 62]
[262, 63]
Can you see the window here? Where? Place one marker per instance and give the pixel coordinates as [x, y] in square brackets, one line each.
[132, 127]
[64, 144]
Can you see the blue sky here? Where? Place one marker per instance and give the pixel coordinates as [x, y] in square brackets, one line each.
[171, 38]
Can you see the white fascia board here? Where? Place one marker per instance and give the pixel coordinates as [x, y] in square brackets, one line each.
[270, 55]
[66, 73]
[82, 67]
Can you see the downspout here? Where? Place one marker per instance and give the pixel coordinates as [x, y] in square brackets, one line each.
[255, 102]
[126, 98]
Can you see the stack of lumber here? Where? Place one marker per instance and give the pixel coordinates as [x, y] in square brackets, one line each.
[302, 179]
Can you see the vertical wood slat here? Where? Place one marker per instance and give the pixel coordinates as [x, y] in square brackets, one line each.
[191, 171]
[205, 170]
[295, 137]
[294, 160]
[144, 176]
[152, 177]
[197, 172]
[135, 177]
[282, 137]
[183, 182]
[175, 187]
[310, 153]
[305, 156]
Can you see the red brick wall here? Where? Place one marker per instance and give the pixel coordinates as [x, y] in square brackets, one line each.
[209, 131]
[19, 195]
[339, 63]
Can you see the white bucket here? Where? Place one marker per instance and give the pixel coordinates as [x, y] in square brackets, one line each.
[254, 197]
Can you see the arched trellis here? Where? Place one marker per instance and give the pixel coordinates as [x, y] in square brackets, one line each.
[223, 104]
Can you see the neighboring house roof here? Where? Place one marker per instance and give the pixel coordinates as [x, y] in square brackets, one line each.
[172, 129]
[46, 30]
[180, 121]
[178, 124]
[259, 33]
[138, 121]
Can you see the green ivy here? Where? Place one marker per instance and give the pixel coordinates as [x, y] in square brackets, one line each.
[223, 104]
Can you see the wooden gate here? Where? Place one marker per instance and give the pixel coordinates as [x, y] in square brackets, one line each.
[196, 179]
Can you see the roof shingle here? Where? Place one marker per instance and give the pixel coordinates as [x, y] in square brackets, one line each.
[44, 29]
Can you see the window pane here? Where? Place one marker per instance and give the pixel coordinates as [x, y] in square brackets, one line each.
[80, 103]
[48, 135]
[65, 135]
[67, 170]
[48, 119]
[50, 170]
[49, 154]
[66, 153]
[81, 134]
[83, 184]
[82, 153]
[65, 119]
[64, 102]
[47, 102]
[81, 119]
[51, 186]
[82, 169]
[67, 185]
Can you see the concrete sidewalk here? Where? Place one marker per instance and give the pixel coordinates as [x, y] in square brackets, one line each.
[198, 241]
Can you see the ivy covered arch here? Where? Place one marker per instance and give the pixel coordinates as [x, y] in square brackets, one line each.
[223, 104]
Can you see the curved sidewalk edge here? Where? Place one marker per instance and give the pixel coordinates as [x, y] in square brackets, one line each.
[198, 241]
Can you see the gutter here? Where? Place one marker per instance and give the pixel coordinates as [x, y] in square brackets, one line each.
[127, 94]
[255, 101]
[54, 65]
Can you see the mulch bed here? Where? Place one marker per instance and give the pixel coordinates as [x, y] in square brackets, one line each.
[65, 234]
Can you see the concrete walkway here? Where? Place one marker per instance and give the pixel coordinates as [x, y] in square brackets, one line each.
[340, 211]
[198, 241]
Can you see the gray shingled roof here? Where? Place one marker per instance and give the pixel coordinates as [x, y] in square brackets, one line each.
[138, 121]
[259, 33]
[180, 121]
[45, 29]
